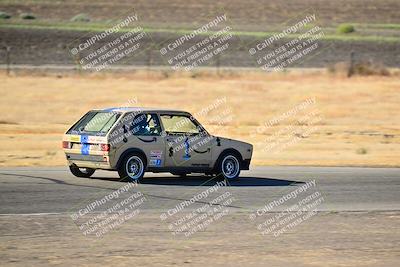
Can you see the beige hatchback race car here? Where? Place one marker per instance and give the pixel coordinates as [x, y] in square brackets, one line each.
[134, 140]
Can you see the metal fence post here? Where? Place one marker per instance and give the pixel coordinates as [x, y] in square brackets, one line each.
[8, 62]
[351, 67]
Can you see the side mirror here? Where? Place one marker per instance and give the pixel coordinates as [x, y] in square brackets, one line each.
[218, 141]
[202, 131]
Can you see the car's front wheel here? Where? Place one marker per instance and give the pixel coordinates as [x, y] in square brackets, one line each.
[229, 167]
[132, 168]
[81, 172]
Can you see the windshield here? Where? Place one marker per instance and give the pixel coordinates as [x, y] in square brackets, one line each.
[95, 122]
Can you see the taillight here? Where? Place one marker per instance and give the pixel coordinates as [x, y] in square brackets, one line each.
[105, 147]
[66, 144]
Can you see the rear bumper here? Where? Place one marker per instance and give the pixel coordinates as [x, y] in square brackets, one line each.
[89, 161]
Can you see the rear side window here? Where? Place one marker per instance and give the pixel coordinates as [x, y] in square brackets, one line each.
[146, 124]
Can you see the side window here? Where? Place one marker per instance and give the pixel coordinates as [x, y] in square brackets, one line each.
[179, 124]
[145, 124]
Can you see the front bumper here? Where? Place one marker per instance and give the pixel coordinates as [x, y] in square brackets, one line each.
[245, 164]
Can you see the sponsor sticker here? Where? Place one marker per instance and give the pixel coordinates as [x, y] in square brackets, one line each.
[75, 138]
[84, 139]
[155, 162]
[85, 149]
[156, 154]
[155, 157]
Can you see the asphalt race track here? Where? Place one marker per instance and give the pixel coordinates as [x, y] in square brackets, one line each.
[355, 223]
[55, 190]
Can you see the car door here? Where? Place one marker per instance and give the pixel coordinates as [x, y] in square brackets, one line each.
[187, 143]
[143, 131]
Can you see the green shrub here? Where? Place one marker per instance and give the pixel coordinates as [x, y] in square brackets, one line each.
[362, 151]
[165, 74]
[81, 18]
[4, 15]
[370, 68]
[27, 16]
[362, 68]
[345, 28]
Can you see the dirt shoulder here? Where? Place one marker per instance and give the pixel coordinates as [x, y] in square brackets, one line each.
[326, 239]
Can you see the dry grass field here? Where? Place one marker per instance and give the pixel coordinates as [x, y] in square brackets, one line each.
[350, 122]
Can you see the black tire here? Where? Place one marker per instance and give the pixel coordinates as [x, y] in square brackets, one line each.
[134, 162]
[81, 172]
[229, 166]
[180, 174]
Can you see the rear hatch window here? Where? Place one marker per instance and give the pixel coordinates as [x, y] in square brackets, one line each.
[95, 123]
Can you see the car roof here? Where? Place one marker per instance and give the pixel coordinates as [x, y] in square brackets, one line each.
[141, 109]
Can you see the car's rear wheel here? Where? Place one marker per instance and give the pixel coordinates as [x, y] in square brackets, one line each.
[81, 172]
[132, 168]
[229, 166]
